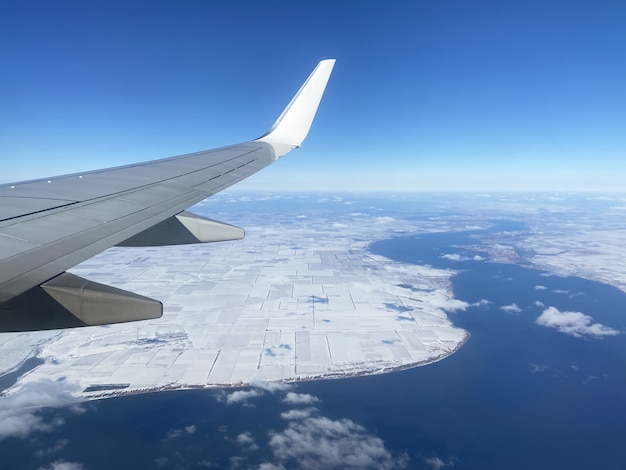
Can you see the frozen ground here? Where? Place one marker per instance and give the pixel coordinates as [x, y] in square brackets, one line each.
[295, 301]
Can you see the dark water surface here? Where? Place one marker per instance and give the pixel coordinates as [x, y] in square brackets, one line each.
[8, 380]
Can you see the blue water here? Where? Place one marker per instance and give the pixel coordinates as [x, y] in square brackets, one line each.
[569, 414]
[517, 395]
[8, 380]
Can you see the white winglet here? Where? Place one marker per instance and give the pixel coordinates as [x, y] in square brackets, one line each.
[293, 125]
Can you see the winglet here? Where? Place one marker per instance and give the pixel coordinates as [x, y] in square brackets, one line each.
[293, 125]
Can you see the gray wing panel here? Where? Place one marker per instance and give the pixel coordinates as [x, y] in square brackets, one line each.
[68, 219]
[49, 225]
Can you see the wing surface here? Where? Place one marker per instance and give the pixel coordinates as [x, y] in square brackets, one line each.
[49, 225]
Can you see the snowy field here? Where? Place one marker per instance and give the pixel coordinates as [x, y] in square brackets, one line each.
[297, 301]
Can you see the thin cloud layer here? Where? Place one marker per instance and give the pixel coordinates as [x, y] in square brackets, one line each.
[246, 440]
[293, 398]
[436, 463]
[56, 447]
[242, 396]
[513, 308]
[299, 413]
[63, 465]
[535, 368]
[179, 432]
[273, 387]
[575, 324]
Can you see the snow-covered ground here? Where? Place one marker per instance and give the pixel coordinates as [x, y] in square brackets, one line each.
[297, 301]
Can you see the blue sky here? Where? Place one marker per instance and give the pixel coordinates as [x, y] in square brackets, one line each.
[443, 94]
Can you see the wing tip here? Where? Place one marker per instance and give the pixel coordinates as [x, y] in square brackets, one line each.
[293, 125]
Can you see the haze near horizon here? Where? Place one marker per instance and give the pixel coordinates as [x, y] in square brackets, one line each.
[425, 95]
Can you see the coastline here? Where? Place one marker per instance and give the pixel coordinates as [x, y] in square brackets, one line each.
[225, 386]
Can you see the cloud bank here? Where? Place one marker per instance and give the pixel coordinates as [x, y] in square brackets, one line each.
[20, 411]
[575, 324]
[311, 441]
[318, 442]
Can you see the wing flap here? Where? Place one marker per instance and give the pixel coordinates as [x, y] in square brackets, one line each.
[98, 304]
[69, 301]
[185, 228]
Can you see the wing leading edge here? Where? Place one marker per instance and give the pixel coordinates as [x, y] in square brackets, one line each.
[49, 225]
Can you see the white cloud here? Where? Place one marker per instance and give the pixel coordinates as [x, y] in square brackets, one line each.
[187, 430]
[19, 411]
[454, 257]
[270, 466]
[293, 398]
[436, 463]
[246, 440]
[481, 303]
[236, 462]
[242, 396]
[459, 257]
[58, 445]
[298, 413]
[440, 300]
[274, 387]
[534, 368]
[513, 308]
[63, 465]
[538, 303]
[540, 287]
[320, 443]
[573, 323]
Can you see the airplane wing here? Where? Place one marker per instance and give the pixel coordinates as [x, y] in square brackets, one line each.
[49, 225]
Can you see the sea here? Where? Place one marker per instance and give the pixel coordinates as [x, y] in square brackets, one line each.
[517, 395]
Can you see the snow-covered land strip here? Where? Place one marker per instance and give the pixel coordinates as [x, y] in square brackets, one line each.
[598, 255]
